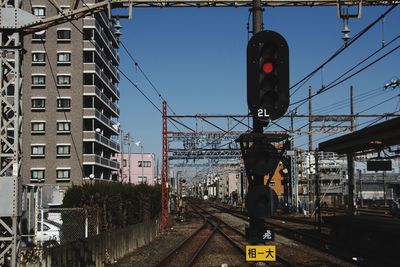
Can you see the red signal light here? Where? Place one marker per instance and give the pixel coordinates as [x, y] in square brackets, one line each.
[268, 67]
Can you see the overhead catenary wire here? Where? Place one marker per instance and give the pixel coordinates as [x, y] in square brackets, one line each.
[343, 103]
[340, 50]
[153, 86]
[59, 96]
[64, 112]
[123, 73]
[304, 80]
[325, 89]
[373, 120]
[358, 113]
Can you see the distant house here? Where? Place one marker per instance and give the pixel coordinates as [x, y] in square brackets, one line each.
[137, 168]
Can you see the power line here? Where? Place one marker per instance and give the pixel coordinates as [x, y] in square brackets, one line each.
[125, 75]
[59, 95]
[358, 113]
[324, 89]
[152, 85]
[373, 121]
[65, 114]
[340, 50]
[365, 59]
[343, 103]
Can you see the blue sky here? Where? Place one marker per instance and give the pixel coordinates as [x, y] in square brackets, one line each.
[196, 58]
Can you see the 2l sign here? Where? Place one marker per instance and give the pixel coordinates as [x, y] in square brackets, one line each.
[262, 113]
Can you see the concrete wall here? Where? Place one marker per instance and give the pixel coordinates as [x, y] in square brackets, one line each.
[104, 248]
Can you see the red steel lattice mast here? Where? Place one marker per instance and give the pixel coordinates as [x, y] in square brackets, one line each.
[164, 173]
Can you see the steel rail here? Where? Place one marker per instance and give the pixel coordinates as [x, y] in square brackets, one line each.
[315, 242]
[166, 258]
[201, 248]
[279, 257]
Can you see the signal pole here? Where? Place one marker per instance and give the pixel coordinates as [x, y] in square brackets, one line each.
[310, 149]
[257, 16]
[267, 99]
[257, 27]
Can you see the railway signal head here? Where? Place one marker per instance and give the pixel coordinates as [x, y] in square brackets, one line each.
[267, 75]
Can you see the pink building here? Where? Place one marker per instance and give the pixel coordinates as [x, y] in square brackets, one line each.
[137, 168]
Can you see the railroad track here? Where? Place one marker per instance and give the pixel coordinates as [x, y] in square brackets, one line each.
[319, 242]
[243, 242]
[191, 249]
[188, 252]
[381, 212]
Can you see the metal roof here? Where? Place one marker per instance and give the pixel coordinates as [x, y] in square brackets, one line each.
[374, 137]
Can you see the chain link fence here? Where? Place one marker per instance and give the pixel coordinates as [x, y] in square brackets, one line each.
[45, 223]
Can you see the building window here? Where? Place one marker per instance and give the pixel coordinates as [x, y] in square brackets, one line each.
[37, 150]
[63, 150]
[124, 163]
[88, 34]
[88, 57]
[39, 36]
[88, 79]
[38, 80]
[63, 127]
[63, 174]
[142, 179]
[64, 80]
[64, 57]
[146, 163]
[39, 11]
[38, 57]
[64, 35]
[38, 127]
[38, 104]
[37, 175]
[63, 103]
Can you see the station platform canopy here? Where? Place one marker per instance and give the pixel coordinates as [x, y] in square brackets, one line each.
[377, 136]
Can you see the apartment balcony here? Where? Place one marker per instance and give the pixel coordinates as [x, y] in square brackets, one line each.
[107, 22]
[93, 159]
[89, 136]
[93, 67]
[93, 46]
[92, 23]
[94, 90]
[91, 113]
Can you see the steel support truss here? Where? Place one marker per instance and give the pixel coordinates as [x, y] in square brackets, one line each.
[10, 129]
[211, 154]
[164, 172]
[249, 3]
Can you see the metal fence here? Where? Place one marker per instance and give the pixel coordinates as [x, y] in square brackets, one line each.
[46, 224]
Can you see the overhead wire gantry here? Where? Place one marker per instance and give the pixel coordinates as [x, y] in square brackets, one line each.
[14, 22]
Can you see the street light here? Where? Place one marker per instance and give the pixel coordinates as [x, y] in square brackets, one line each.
[139, 143]
[128, 139]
